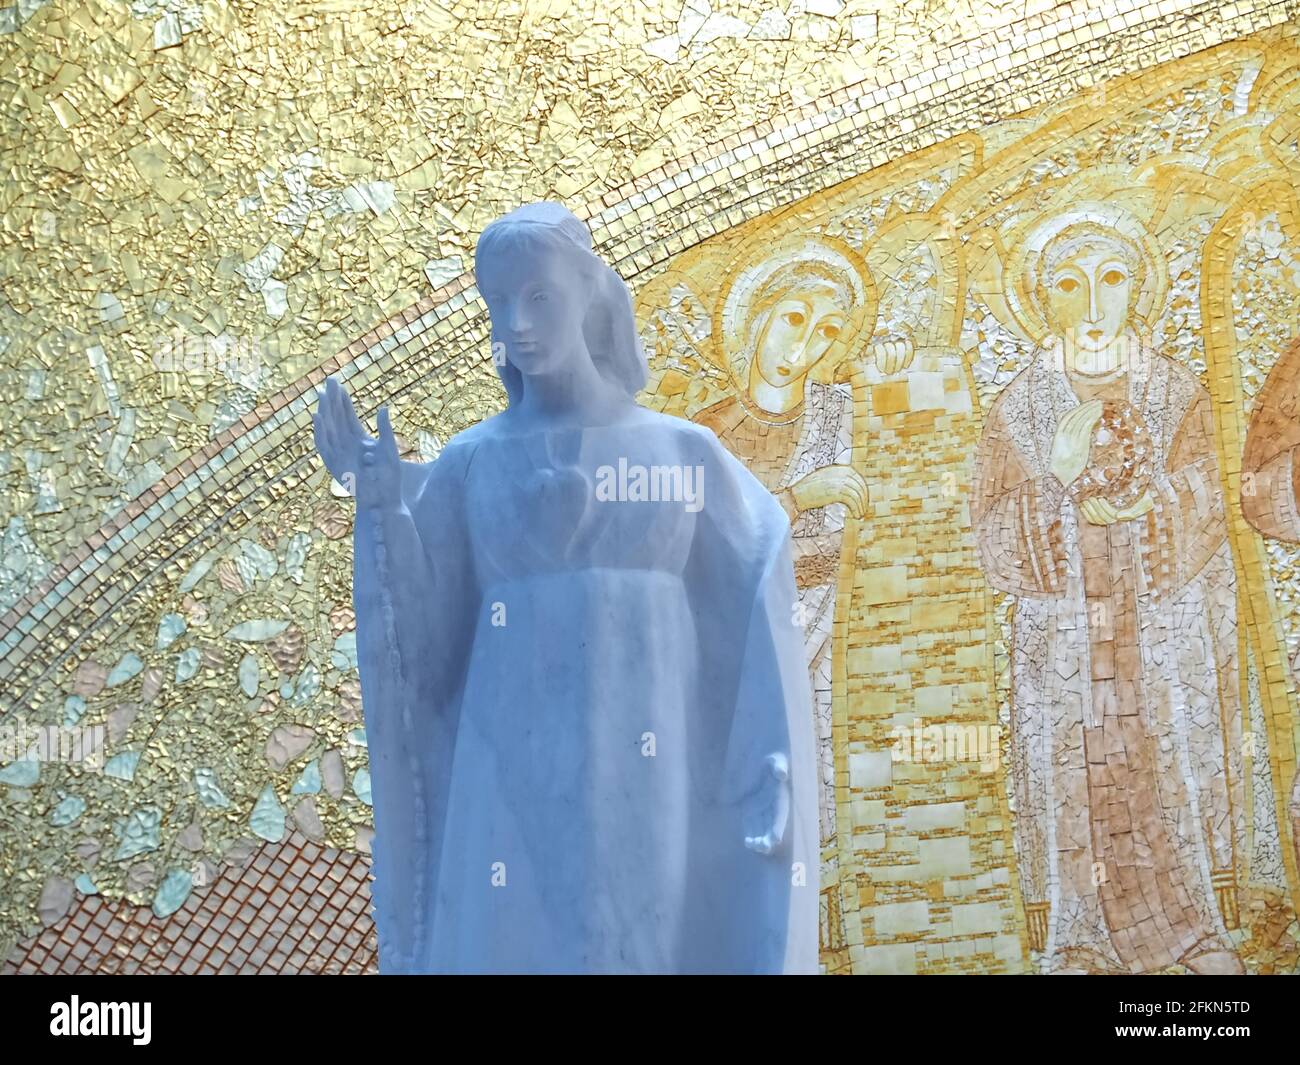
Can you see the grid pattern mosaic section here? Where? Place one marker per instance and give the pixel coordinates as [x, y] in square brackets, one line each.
[292, 908]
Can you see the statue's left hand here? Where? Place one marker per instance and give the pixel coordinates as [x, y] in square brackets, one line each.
[368, 467]
[778, 766]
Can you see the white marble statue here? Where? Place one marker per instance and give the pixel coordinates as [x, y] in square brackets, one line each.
[588, 714]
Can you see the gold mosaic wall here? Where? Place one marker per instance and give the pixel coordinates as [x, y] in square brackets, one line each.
[210, 207]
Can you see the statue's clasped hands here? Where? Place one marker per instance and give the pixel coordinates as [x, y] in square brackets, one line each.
[368, 467]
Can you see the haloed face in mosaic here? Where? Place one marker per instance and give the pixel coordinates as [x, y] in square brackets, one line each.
[1090, 296]
[537, 302]
[799, 330]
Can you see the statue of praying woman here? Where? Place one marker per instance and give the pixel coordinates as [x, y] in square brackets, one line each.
[588, 714]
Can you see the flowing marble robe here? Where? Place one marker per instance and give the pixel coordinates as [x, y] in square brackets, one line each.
[519, 641]
[1126, 719]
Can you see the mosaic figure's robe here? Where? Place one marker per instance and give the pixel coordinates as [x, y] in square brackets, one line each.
[1126, 717]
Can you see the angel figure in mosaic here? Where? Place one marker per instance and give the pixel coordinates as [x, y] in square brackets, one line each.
[1098, 507]
[786, 314]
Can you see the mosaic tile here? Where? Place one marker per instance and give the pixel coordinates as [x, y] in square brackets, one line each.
[214, 208]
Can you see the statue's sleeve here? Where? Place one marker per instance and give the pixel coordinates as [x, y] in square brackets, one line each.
[1270, 466]
[1016, 516]
[1187, 524]
[414, 475]
[755, 702]
[411, 592]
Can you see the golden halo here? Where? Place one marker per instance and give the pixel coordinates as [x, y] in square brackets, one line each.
[802, 256]
[1021, 286]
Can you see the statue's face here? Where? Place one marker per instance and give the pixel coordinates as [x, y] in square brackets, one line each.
[1089, 296]
[537, 304]
[799, 330]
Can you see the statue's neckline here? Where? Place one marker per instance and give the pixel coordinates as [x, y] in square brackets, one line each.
[507, 430]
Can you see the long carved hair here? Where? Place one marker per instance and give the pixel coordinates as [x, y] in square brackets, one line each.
[609, 327]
